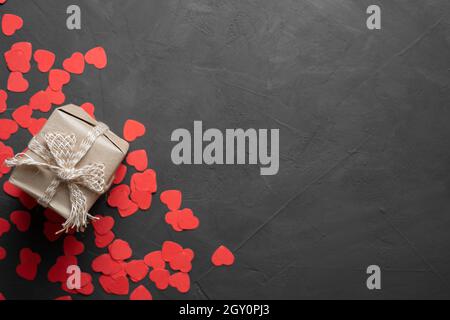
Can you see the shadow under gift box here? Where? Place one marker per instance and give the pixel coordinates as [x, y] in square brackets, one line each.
[108, 149]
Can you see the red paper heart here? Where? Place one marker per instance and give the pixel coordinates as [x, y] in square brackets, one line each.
[106, 265]
[89, 108]
[171, 218]
[7, 128]
[27, 271]
[40, 101]
[17, 83]
[103, 240]
[2, 1]
[22, 116]
[21, 219]
[182, 262]
[132, 130]
[4, 226]
[137, 270]
[187, 220]
[16, 60]
[170, 249]
[96, 57]
[11, 23]
[120, 250]
[3, 99]
[75, 64]
[142, 199]
[24, 46]
[154, 260]
[58, 272]
[119, 196]
[120, 174]
[55, 97]
[44, 59]
[172, 199]
[103, 224]
[73, 247]
[144, 181]
[160, 277]
[58, 78]
[27, 256]
[2, 253]
[6, 152]
[36, 125]
[222, 257]
[181, 281]
[141, 293]
[138, 159]
[87, 290]
[117, 286]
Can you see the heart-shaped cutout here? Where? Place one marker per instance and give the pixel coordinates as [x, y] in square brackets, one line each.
[73, 247]
[141, 294]
[75, 64]
[181, 281]
[5, 226]
[137, 270]
[57, 79]
[3, 99]
[120, 250]
[44, 59]
[17, 83]
[138, 159]
[7, 128]
[21, 219]
[172, 199]
[11, 23]
[222, 257]
[132, 130]
[160, 277]
[22, 116]
[96, 57]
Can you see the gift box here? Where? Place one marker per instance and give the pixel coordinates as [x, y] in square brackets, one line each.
[69, 164]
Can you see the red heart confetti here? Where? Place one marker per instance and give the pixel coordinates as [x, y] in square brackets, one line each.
[106, 265]
[160, 277]
[138, 159]
[3, 99]
[117, 286]
[222, 257]
[144, 181]
[89, 108]
[141, 293]
[7, 128]
[103, 240]
[137, 270]
[181, 281]
[44, 59]
[6, 152]
[182, 261]
[55, 97]
[120, 174]
[103, 224]
[154, 260]
[17, 83]
[2, 253]
[120, 250]
[16, 60]
[11, 23]
[132, 130]
[75, 64]
[58, 272]
[36, 125]
[57, 79]
[172, 199]
[73, 247]
[22, 116]
[24, 46]
[21, 219]
[96, 57]
[187, 220]
[40, 101]
[170, 249]
[29, 262]
[4, 226]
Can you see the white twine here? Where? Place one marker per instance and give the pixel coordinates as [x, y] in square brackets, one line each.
[61, 155]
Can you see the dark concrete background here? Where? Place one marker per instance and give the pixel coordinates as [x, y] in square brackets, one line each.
[364, 121]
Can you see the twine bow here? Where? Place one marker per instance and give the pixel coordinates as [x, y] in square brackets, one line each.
[61, 155]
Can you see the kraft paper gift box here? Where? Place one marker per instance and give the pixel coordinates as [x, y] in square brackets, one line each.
[107, 151]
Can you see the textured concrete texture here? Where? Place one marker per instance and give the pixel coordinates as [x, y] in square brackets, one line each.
[364, 130]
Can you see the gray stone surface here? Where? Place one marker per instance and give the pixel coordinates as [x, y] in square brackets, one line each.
[364, 124]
